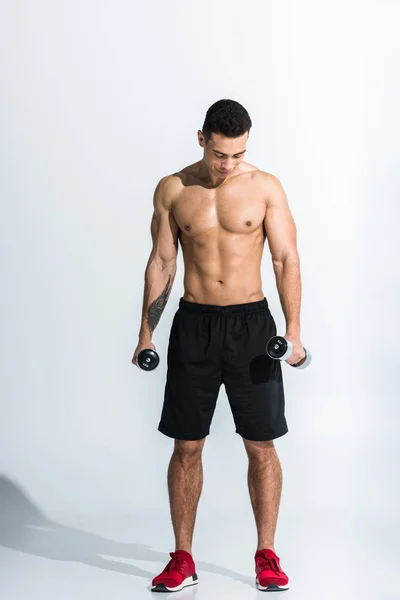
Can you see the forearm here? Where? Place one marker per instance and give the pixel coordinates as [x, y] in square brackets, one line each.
[288, 282]
[158, 280]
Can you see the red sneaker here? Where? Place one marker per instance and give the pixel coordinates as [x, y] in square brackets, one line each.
[270, 577]
[179, 573]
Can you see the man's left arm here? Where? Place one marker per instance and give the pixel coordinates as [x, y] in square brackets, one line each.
[281, 234]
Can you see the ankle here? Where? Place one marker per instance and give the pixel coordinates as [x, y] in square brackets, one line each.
[184, 547]
[266, 546]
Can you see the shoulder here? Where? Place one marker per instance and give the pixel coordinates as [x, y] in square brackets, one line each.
[262, 179]
[167, 190]
[267, 179]
[271, 187]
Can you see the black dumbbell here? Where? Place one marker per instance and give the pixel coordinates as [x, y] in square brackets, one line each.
[279, 348]
[147, 360]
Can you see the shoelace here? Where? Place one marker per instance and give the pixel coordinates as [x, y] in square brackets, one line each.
[268, 563]
[176, 563]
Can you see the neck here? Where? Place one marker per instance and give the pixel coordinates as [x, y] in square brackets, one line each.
[210, 177]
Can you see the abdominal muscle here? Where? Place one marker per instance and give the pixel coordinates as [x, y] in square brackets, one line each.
[224, 274]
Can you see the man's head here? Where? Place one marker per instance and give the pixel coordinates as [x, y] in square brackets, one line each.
[224, 135]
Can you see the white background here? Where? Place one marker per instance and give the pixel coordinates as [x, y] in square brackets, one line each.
[99, 100]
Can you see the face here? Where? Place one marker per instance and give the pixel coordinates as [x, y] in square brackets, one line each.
[222, 155]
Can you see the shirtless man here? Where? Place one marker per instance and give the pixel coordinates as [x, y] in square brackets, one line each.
[222, 210]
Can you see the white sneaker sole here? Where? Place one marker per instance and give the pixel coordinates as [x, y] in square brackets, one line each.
[272, 587]
[192, 580]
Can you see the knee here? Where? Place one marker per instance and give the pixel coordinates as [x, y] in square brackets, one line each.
[188, 451]
[259, 451]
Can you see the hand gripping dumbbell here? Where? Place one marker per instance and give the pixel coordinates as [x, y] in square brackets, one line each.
[279, 348]
[147, 360]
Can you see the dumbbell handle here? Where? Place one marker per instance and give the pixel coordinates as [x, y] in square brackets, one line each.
[279, 348]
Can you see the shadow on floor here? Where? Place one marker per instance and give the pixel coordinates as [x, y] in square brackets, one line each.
[25, 528]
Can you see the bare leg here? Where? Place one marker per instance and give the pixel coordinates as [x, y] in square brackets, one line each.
[185, 482]
[265, 487]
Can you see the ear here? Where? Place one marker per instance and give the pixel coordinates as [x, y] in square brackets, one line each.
[200, 137]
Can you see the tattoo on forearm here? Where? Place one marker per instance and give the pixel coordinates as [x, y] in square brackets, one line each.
[156, 308]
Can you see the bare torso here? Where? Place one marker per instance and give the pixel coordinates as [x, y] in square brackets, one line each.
[222, 236]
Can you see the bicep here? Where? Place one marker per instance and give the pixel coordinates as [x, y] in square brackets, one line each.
[279, 224]
[164, 228]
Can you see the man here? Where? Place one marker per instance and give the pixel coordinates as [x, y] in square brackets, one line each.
[222, 210]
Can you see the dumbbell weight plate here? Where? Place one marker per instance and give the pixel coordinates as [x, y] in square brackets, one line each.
[279, 348]
[147, 360]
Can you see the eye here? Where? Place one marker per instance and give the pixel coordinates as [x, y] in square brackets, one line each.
[223, 155]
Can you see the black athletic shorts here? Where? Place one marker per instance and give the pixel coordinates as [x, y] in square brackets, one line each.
[210, 345]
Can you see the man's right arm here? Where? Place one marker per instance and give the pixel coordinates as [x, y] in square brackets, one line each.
[161, 266]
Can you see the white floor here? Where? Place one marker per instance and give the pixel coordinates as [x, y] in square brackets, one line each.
[103, 558]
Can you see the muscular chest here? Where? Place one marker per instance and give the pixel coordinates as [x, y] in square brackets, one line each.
[201, 211]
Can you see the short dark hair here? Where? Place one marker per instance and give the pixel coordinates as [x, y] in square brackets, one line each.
[227, 117]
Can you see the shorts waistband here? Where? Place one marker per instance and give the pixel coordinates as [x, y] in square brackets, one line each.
[247, 307]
